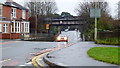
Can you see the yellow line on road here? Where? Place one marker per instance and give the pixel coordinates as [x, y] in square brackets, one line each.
[40, 56]
[35, 60]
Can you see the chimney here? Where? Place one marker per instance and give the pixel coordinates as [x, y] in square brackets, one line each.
[9, 1]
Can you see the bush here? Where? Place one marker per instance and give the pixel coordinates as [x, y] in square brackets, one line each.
[109, 41]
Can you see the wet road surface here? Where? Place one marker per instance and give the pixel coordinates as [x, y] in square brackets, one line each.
[18, 53]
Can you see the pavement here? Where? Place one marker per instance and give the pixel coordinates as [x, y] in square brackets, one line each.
[75, 55]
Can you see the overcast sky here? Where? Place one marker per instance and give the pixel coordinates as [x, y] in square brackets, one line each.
[70, 5]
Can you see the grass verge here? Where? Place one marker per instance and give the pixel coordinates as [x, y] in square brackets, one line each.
[105, 54]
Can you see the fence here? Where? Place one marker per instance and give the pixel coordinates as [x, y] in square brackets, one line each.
[104, 35]
[40, 37]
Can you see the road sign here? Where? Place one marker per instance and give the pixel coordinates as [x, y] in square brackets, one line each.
[47, 26]
[95, 12]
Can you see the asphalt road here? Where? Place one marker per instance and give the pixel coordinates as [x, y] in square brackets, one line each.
[18, 53]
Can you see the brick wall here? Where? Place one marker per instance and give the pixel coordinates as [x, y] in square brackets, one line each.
[7, 12]
[13, 36]
[19, 13]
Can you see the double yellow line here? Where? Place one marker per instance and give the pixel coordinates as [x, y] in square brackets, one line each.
[36, 62]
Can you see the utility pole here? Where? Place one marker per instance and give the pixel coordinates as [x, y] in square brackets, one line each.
[95, 13]
[95, 37]
[36, 26]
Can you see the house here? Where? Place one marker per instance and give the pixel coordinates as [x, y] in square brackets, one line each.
[13, 20]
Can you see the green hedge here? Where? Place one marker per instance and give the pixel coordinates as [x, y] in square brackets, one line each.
[109, 41]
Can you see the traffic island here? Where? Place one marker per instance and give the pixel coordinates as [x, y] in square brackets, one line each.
[75, 55]
[105, 54]
[51, 63]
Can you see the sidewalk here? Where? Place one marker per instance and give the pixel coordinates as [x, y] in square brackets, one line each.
[75, 55]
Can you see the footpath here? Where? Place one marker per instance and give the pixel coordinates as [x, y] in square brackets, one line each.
[76, 55]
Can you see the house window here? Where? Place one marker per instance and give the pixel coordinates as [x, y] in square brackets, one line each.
[14, 12]
[23, 14]
[0, 10]
[26, 27]
[22, 27]
[17, 27]
[5, 28]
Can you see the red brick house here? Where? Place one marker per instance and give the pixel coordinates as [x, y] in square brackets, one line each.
[13, 20]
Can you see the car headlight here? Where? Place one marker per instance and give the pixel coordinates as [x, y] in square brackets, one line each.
[65, 38]
[58, 38]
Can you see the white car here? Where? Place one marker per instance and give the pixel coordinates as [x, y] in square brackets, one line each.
[62, 38]
[66, 30]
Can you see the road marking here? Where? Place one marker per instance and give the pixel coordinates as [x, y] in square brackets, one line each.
[22, 65]
[36, 60]
[39, 57]
[12, 64]
[5, 60]
[33, 62]
[28, 63]
[8, 42]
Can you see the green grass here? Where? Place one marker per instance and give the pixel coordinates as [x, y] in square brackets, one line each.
[105, 54]
[109, 41]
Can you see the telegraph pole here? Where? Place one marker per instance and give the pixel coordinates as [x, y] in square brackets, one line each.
[95, 37]
[36, 26]
[95, 13]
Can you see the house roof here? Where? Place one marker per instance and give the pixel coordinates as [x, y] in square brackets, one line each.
[14, 4]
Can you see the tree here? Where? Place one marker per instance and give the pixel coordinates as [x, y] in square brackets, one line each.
[41, 9]
[119, 10]
[66, 14]
[83, 10]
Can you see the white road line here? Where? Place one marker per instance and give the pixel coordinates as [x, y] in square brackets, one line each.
[40, 59]
[29, 63]
[5, 60]
[22, 65]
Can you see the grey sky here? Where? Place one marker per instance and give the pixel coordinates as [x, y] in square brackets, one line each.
[70, 5]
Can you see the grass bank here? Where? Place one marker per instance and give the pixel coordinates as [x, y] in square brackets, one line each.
[105, 54]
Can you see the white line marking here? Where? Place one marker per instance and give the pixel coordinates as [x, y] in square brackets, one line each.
[5, 60]
[29, 63]
[40, 59]
[22, 65]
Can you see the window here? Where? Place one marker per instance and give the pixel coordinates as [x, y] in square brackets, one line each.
[23, 14]
[22, 27]
[14, 12]
[17, 27]
[26, 27]
[5, 28]
[0, 10]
